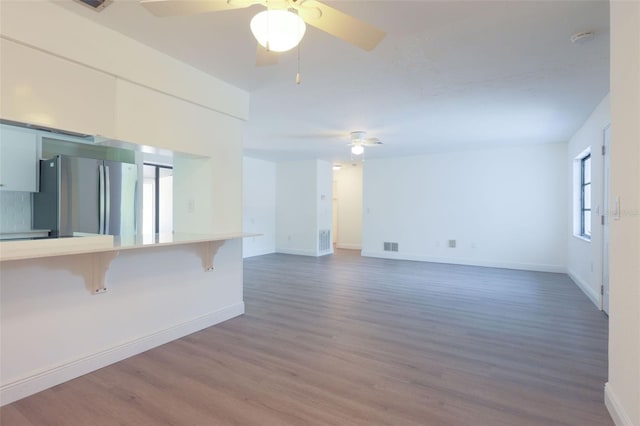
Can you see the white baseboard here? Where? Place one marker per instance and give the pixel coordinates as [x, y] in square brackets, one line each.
[586, 288]
[469, 262]
[298, 252]
[349, 246]
[619, 416]
[258, 253]
[43, 380]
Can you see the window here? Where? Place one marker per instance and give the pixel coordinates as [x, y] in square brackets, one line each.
[585, 196]
[157, 209]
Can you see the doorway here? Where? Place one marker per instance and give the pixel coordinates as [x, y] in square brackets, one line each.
[157, 206]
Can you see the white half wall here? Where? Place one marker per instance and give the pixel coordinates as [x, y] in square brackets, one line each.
[349, 206]
[622, 394]
[259, 206]
[54, 329]
[584, 258]
[503, 207]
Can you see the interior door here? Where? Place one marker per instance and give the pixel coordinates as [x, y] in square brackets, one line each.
[606, 216]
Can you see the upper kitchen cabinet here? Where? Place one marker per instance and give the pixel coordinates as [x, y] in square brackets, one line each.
[149, 117]
[18, 159]
[40, 88]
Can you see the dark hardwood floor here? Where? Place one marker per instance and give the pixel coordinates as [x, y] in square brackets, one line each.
[345, 340]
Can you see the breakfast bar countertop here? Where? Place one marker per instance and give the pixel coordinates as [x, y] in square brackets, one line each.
[29, 233]
[92, 243]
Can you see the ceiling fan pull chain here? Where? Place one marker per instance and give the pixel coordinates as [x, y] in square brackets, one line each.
[268, 46]
[298, 74]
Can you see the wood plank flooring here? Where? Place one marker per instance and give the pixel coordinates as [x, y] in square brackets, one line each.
[346, 340]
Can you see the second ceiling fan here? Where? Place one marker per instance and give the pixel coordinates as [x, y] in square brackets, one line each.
[282, 25]
[359, 140]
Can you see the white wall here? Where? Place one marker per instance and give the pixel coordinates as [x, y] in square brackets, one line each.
[324, 203]
[504, 207]
[584, 258]
[15, 211]
[622, 392]
[52, 327]
[303, 205]
[259, 206]
[296, 208]
[349, 200]
[113, 54]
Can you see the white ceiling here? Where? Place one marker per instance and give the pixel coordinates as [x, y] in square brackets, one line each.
[449, 75]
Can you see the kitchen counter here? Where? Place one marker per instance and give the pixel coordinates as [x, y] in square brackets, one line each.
[31, 233]
[103, 249]
[173, 239]
[48, 247]
[92, 243]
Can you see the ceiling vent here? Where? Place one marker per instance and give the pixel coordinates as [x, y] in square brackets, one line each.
[96, 5]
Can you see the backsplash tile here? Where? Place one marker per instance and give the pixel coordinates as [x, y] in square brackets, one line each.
[15, 211]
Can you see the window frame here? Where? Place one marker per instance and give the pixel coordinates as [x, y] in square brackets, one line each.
[583, 185]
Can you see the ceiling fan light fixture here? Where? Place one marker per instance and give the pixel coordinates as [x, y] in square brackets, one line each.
[357, 149]
[358, 135]
[278, 30]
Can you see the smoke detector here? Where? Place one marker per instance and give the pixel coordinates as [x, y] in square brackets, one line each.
[582, 37]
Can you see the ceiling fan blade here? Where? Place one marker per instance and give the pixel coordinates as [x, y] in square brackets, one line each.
[163, 8]
[341, 25]
[372, 142]
[265, 57]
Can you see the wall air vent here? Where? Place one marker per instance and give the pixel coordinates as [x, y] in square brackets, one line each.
[390, 246]
[96, 5]
[324, 239]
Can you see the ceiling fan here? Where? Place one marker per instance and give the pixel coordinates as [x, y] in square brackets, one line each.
[294, 15]
[359, 140]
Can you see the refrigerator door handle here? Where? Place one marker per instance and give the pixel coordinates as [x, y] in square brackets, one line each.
[101, 199]
[107, 197]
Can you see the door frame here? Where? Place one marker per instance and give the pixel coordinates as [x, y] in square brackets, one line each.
[606, 218]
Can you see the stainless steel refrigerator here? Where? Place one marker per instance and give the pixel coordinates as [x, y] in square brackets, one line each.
[86, 195]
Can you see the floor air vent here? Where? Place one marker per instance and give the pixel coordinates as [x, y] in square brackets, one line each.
[390, 246]
[325, 240]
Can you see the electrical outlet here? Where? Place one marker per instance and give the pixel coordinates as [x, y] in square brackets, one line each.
[452, 243]
[191, 206]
